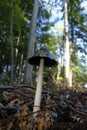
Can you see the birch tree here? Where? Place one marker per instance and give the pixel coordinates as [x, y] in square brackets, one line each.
[67, 55]
[28, 71]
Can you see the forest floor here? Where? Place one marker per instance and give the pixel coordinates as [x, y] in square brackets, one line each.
[61, 109]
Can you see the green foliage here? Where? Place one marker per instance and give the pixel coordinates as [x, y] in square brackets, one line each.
[20, 35]
[80, 74]
[78, 32]
[44, 37]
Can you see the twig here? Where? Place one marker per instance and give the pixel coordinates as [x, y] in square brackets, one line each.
[10, 108]
[6, 87]
[79, 112]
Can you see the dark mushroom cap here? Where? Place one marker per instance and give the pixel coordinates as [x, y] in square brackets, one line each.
[43, 53]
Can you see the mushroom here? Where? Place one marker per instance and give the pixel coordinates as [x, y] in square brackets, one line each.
[42, 58]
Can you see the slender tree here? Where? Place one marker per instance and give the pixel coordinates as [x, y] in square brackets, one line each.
[28, 72]
[67, 55]
[12, 48]
[77, 30]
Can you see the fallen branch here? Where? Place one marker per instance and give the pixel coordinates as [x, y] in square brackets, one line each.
[16, 108]
[83, 113]
[6, 87]
[16, 87]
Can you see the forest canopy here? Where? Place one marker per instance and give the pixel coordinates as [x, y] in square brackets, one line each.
[15, 23]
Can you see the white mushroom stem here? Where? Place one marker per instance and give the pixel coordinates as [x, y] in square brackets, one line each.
[39, 87]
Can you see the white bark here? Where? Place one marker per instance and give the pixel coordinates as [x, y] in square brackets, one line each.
[59, 70]
[32, 38]
[70, 78]
[67, 55]
[37, 100]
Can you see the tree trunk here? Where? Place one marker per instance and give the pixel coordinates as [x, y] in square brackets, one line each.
[70, 77]
[71, 50]
[67, 55]
[12, 48]
[28, 71]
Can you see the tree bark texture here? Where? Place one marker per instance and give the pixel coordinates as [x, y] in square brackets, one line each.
[32, 38]
[67, 55]
[12, 48]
